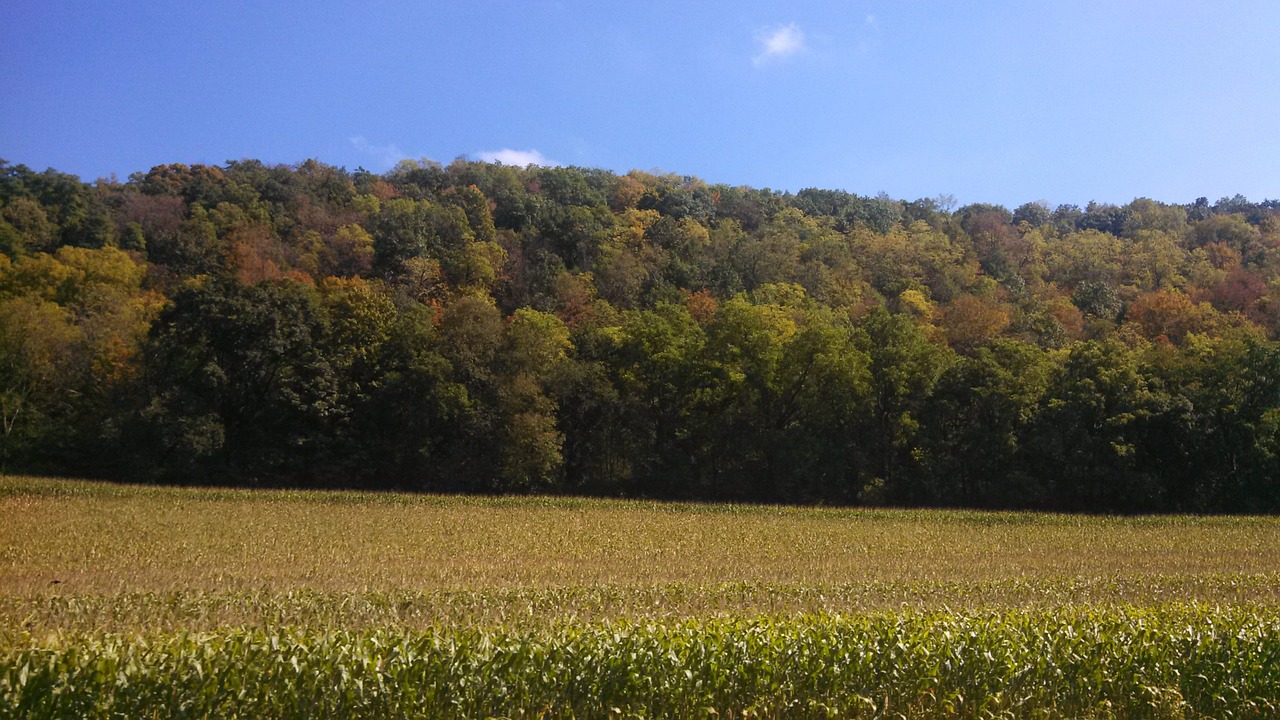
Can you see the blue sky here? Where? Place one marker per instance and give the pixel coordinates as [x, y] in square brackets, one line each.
[988, 101]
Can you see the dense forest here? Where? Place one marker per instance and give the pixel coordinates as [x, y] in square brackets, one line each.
[485, 328]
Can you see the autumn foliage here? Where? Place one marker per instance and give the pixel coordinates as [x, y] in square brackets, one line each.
[480, 327]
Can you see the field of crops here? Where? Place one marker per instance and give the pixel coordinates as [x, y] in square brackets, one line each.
[119, 601]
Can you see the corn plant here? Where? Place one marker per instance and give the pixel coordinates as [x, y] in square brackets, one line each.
[1173, 662]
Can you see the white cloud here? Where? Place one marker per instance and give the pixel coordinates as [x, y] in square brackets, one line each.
[518, 158]
[777, 43]
[386, 156]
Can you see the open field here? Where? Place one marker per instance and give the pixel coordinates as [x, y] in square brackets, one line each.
[69, 537]
[149, 580]
[109, 557]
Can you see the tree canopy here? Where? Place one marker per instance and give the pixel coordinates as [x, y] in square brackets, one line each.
[478, 327]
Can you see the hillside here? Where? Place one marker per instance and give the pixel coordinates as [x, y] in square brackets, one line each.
[485, 328]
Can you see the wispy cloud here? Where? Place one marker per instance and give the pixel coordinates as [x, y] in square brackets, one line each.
[519, 158]
[865, 44]
[778, 43]
[386, 156]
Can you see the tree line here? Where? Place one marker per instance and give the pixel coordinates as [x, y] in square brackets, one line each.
[478, 327]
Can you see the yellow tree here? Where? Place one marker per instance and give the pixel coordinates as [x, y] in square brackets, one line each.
[971, 321]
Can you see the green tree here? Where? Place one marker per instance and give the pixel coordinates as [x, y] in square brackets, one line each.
[404, 400]
[72, 323]
[1218, 442]
[904, 367]
[25, 227]
[657, 357]
[471, 335]
[407, 229]
[238, 385]
[1087, 440]
[534, 353]
[976, 426]
[785, 377]
[38, 340]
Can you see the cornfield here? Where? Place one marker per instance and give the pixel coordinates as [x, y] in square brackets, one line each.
[1167, 662]
[150, 602]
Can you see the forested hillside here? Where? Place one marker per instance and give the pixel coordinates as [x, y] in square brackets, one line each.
[481, 327]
